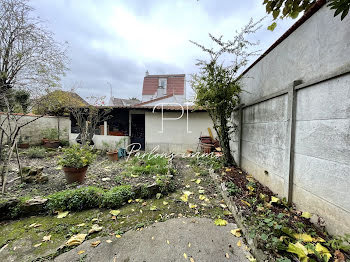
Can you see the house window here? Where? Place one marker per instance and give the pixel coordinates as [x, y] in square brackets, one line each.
[162, 83]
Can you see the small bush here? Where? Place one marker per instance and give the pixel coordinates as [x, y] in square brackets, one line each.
[77, 156]
[36, 152]
[50, 133]
[116, 196]
[232, 189]
[64, 143]
[165, 184]
[75, 199]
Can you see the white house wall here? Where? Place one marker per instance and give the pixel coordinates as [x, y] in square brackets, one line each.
[175, 137]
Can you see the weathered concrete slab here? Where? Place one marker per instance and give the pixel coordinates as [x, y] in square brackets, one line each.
[270, 158]
[327, 100]
[325, 139]
[325, 179]
[198, 238]
[270, 134]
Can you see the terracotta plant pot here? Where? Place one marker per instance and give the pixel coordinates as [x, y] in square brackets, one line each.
[23, 145]
[75, 174]
[113, 156]
[51, 143]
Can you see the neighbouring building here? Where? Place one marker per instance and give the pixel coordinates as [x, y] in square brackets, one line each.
[166, 89]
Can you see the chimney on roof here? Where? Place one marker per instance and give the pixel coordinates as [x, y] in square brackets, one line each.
[147, 74]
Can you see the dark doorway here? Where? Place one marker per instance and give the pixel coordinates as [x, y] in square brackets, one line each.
[138, 130]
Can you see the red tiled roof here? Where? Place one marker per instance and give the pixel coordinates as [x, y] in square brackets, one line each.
[154, 100]
[175, 84]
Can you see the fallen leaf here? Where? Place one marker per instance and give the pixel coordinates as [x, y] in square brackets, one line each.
[184, 198]
[165, 203]
[96, 243]
[138, 200]
[188, 193]
[114, 212]
[306, 215]
[95, 228]
[318, 239]
[76, 240]
[35, 225]
[236, 232]
[168, 242]
[114, 217]
[303, 237]
[201, 191]
[144, 204]
[228, 169]
[197, 174]
[118, 236]
[299, 250]
[62, 214]
[220, 222]
[185, 256]
[130, 200]
[245, 202]
[324, 252]
[153, 208]
[81, 225]
[202, 197]
[187, 186]
[47, 238]
[109, 241]
[94, 219]
[192, 205]
[158, 195]
[227, 255]
[198, 181]
[274, 200]
[239, 243]
[189, 244]
[38, 245]
[223, 206]
[191, 259]
[81, 252]
[227, 213]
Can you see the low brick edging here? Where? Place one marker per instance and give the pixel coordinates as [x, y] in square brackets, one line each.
[258, 254]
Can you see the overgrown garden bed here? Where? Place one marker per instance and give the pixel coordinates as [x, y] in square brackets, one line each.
[107, 185]
[275, 230]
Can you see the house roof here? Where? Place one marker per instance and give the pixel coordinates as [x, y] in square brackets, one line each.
[175, 84]
[157, 108]
[154, 100]
[124, 102]
[312, 10]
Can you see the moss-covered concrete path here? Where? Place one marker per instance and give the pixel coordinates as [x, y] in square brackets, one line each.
[187, 215]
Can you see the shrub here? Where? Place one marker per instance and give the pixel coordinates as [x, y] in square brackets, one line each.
[36, 152]
[75, 199]
[77, 156]
[116, 196]
[165, 183]
[232, 189]
[64, 142]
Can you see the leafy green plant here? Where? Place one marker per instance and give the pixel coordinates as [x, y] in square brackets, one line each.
[232, 189]
[36, 152]
[64, 142]
[77, 156]
[340, 243]
[116, 196]
[75, 199]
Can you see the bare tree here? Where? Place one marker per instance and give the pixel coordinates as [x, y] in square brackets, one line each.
[89, 117]
[30, 59]
[29, 56]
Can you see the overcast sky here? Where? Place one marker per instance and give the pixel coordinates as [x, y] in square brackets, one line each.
[114, 42]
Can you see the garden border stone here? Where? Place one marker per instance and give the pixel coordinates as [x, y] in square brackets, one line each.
[259, 254]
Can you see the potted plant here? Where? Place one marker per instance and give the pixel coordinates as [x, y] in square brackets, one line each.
[50, 139]
[75, 162]
[113, 154]
[23, 142]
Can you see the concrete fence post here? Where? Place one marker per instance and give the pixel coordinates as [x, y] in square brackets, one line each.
[240, 125]
[290, 141]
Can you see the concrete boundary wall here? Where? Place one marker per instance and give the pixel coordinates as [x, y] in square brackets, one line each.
[294, 121]
[32, 133]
